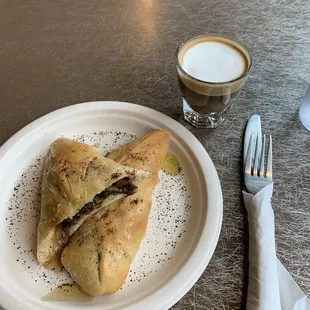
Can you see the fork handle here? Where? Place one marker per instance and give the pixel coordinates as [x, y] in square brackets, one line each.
[263, 287]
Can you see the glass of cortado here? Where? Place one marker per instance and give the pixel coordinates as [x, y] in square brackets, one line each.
[211, 70]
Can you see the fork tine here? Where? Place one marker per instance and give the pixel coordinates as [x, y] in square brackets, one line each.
[262, 159]
[256, 156]
[269, 160]
[248, 161]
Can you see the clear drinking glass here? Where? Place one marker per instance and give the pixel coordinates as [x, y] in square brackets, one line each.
[206, 104]
[304, 110]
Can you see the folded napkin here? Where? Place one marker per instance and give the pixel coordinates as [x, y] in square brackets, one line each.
[270, 287]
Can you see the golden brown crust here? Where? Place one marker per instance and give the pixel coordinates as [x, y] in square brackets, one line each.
[100, 253]
[73, 174]
[146, 153]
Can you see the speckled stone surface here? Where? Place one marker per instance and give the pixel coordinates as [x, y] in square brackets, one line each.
[57, 53]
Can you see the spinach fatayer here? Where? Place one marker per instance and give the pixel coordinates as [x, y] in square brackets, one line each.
[99, 254]
[77, 182]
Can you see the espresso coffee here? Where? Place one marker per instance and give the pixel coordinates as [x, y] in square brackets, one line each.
[210, 72]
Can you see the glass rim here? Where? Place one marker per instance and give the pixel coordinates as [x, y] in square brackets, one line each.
[178, 65]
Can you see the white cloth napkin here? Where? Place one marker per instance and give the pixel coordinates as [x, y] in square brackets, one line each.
[270, 287]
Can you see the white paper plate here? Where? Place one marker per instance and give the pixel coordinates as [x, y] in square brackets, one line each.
[184, 224]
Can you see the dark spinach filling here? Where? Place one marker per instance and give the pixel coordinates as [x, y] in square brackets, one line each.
[123, 186]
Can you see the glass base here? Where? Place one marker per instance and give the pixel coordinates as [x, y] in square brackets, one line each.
[199, 120]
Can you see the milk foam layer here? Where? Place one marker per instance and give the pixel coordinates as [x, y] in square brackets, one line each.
[213, 61]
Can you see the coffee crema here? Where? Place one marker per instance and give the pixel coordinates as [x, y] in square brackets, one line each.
[213, 61]
[213, 65]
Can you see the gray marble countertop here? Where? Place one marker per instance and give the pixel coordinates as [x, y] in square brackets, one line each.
[57, 53]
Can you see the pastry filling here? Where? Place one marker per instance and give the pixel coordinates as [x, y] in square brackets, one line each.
[123, 186]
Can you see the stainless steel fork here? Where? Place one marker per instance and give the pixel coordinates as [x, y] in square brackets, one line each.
[256, 177]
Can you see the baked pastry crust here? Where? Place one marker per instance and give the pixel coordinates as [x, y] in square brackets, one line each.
[73, 174]
[99, 254]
